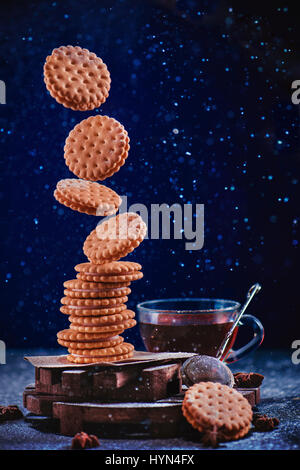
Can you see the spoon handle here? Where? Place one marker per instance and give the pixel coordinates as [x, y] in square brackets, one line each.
[250, 294]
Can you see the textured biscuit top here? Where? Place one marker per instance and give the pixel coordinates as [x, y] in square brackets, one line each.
[208, 403]
[114, 267]
[86, 196]
[76, 78]
[96, 148]
[115, 238]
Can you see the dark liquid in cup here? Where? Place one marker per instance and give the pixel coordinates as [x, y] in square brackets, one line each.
[200, 339]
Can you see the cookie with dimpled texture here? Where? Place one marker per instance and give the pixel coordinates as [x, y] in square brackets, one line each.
[81, 345]
[93, 303]
[96, 148]
[97, 360]
[110, 268]
[115, 238]
[82, 289]
[114, 329]
[109, 273]
[76, 78]
[90, 311]
[123, 348]
[104, 284]
[86, 286]
[77, 336]
[211, 406]
[110, 280]
[88, 197]
[102, 319]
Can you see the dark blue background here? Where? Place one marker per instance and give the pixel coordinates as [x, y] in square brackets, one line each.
[218, 72]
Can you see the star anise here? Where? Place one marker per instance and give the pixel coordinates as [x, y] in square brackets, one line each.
[212, 437]
[10, 412]
[248, 380]
[263, 423]
[82, 440]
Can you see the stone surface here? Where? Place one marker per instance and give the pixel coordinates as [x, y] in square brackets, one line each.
[279, 397]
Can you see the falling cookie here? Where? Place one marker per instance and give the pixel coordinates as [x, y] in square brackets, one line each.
[87, 197]
[96, 148]
[76, 78]
[115, 238]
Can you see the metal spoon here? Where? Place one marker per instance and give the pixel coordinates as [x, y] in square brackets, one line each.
[250, 294]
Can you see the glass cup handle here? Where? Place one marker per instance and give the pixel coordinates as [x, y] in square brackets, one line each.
[254, 343]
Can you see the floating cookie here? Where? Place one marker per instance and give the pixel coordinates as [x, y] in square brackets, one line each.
[88, 197]
[96, 148]
[211, 406]
[102, 319]
[99, 359]
[95, 344]
[115, 329]
[115, 238]
[89, 311]
[121, 349]
[76, 78]
[71, 335]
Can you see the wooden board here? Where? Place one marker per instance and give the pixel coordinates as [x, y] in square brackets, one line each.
[162, 418]
[133, 395]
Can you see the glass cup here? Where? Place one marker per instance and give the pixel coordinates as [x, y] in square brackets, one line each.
[195, 325]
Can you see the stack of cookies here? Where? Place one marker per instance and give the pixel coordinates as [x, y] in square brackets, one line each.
[94, 150]
[96, 304]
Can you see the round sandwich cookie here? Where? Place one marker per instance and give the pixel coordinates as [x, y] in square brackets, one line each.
[92, 360]
[103, 284]
[102, 319]
[93, 303]
[92, 344]
[115, 238]
[77, 336]
[115, 329]
[96, 148]
[109, 269]
[121, 349]
[76, 78]
[213, 407]
[91, 311]
[90, 290]
[87, 197]
[110, 280]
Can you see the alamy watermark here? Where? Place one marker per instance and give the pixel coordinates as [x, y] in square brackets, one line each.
[296, 354]
[2, 92]
[2, 352]
[296, 94]
[167, 222]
